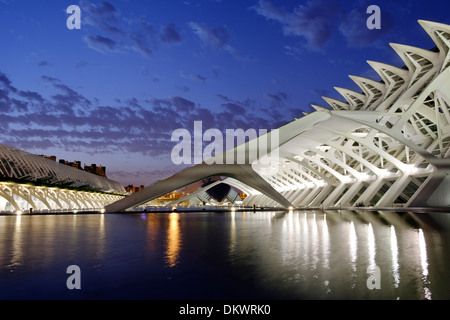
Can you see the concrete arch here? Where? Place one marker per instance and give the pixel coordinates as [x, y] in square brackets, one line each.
[241, 172]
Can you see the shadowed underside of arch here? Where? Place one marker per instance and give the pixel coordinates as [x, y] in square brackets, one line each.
[241, 172]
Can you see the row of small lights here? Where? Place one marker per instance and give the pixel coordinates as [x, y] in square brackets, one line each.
[18, 212]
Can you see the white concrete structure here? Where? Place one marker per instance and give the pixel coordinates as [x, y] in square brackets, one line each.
[32, 182]
[386, 146]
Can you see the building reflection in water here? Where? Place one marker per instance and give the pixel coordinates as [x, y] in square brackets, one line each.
[311, 245]
[394, 255]
[17, 253]
[233, 233]
[325, 243]
[173, 245]
[371, 247]
[424, 264]
[101, 239]
[353, 246]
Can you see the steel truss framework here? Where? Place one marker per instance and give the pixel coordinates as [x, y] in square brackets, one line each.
[21, 198]
[386, 145]
[31, 181]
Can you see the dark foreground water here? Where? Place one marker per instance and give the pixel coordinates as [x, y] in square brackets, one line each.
[262, 255]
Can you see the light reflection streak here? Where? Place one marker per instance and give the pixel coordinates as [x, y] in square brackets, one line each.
[394, 252]
[233, 232]
[424, 263]
[17, 253]
[305, 240]
[325, 243]
[326, 250]
[173, 240]
[101, 237]
[315, 241]
[371, 244]
[353, 245]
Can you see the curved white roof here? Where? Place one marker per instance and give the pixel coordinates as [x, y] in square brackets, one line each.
[21, 166]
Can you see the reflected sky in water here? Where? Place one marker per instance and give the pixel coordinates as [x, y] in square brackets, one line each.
[237, 255]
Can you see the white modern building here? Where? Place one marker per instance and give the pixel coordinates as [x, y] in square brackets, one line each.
[386, 145]
[31, 182]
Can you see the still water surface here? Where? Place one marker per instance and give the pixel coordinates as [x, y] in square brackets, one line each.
[262, 255]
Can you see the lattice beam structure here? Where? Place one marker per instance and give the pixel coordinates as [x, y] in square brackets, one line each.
[28, 181]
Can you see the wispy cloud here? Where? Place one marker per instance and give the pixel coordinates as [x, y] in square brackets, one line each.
[69, 120]
[217, 39]
[100, 44]
[193, 77]
[314, 21]
[169, 34]
[110, 32]
[352, 27]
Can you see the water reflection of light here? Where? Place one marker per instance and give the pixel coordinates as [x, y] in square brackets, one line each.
[173, 240]
[371, 244]
[394, 252]
[424, 263]
[314, 242]
[305, 239]
[101, 237]
[17, 252]
[353, 245]
[325, 243]
[233, 232]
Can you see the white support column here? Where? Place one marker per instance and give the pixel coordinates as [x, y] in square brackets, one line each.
[322, 195]
[348, 196]
[330, 200]
[370, 192]
[394, 191]
[299, 199]
[309, 198]
[295, 195]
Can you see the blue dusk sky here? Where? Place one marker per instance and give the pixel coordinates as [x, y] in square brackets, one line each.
[112, 92]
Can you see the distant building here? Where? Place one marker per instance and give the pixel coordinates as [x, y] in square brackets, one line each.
[98, 170]
[132, 189]
[93, 168]
[53, 158]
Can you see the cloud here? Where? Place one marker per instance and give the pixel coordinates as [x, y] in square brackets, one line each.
[277, 98]
[353, 27]
[114, 33]
[43, 63]
[81, 64]
[169, 34]
[314, 21]
[68, 120]
[234, 108]
[217, 39]
[193, 77]
[182, 104]
[100, 44]
[103, 16]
